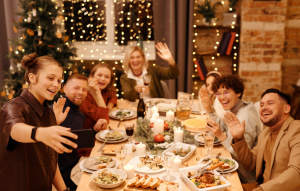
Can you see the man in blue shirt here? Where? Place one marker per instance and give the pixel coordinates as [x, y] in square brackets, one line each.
[75, 91]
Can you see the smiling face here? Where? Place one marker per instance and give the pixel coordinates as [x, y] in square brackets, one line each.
[46, 83]
[136, 62]
[227, 97]
[272, 110]
[209, 82]
[76, 91]
[103, 75]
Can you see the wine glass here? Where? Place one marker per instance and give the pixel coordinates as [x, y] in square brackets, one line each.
[121, 154]
[147, 79]
[209, 142]
[168, 163]
[129, 128]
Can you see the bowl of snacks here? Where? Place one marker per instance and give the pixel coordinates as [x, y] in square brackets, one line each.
[181, 150]
[109, 177]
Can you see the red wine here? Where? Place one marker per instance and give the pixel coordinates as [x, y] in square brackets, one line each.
[146, 83]
[129, 132]
[141, 107]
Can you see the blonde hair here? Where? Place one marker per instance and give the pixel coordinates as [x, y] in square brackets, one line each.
[128, 54]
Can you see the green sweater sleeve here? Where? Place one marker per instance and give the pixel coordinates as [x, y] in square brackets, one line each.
[128, 88]
[163, 73]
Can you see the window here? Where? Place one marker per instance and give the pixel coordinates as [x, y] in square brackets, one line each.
[101, 29]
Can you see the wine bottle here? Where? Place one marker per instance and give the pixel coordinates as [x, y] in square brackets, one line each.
[141, 107]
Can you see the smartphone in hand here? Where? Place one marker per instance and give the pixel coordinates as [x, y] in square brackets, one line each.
[85, 139]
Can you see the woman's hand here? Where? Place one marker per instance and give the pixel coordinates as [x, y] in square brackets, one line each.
[215, 129]
[236, 128]
[205, 99]
[53, 137]
[58, 108]
[141, 89]
[93, 85]
[164, 53]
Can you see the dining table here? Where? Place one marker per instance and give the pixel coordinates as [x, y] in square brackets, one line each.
[86, 184]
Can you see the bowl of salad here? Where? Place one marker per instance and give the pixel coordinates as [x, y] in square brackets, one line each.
[109, 177]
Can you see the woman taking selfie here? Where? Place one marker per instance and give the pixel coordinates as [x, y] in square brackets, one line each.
[101, 96]
[229, 91]
[29, 137]
[136, 67]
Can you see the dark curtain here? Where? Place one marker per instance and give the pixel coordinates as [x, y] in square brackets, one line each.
[173, 23]
[7, 15]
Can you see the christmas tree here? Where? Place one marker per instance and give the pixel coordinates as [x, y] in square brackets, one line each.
[40, 28]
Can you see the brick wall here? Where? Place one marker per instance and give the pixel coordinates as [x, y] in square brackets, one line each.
[291, 56]
[261, 46]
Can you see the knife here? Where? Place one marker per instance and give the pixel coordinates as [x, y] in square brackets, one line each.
[203, 167]
[102, 146]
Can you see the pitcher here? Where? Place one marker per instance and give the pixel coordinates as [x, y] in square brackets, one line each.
[183, 107]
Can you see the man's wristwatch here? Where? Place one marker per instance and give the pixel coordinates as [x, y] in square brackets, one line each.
[33, 132]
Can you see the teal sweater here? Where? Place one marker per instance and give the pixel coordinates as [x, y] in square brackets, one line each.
[156, 91]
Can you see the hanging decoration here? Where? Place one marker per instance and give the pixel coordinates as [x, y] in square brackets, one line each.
[34, 12]
[30, 32]
[29, 17]
[15, 30]
[40, 31]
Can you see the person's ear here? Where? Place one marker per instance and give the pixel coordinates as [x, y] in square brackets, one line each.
[238, 95]
[32, 78]
[286, 108]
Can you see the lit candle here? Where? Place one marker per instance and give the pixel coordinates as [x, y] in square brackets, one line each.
[156, 115]
[176, 164]
[152, 119]
[140, 149]
[178, 135]
[129, 171]
[170, 115]
[153, 109]
[158, 126]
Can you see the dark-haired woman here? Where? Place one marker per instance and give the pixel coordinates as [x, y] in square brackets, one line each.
[30, 138]
[101, 96]
[211, 77]
[229, 90]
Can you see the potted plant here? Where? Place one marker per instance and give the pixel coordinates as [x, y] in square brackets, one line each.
[207, 11]
[229, 18]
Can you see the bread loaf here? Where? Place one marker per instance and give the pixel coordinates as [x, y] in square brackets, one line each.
[155, 183]
[133, 181]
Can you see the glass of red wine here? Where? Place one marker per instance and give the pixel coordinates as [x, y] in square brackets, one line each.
[147, 80]
[129, 128]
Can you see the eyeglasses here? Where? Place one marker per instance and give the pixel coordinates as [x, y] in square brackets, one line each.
[225, 94]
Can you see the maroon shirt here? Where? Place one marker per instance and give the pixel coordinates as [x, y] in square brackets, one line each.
[26, 166]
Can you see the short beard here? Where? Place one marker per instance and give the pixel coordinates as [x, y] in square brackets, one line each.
[274, 121]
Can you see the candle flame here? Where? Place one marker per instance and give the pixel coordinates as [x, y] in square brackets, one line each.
[140, 143]
[178, 128]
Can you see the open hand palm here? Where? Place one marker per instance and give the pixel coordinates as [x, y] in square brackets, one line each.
[58, 110]
[236, 128]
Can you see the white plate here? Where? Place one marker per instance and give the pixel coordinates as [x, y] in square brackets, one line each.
[184, 146]
[114, 113]
[81, 166]
[103, 133]
[234, 168]
[134, 161]
[201, 140]
[184, 173]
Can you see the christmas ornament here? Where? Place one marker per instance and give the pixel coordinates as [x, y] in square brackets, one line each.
[19, 66]
[12, 69]
[21, 19]
[66, 38]
[34, 12]
[15, 30]
[25, 86]
[29, 17]
[58, 34]
[3, 93]
[52, 46]
[10, 96]
[10, 49]
[20, 48]
[30, 32]
[40, 31]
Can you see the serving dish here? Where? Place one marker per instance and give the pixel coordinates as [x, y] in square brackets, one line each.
[195, 125]
[144, 169]
[121, 173]
[132, 114]
[125, 138]
[184, 174]
[103, 134]
[232, 168]
[184, 146]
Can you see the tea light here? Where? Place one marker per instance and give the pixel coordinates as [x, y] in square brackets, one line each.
[129, 171]
[156, 115]
[140, 149]
[170, 115]
[176, 165]
[178, 135]
[153, 109]
[158, 126]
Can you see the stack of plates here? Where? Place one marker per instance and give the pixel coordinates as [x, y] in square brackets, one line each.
[90, 164]
[200, 139]
[130, 114]
[100, 136]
